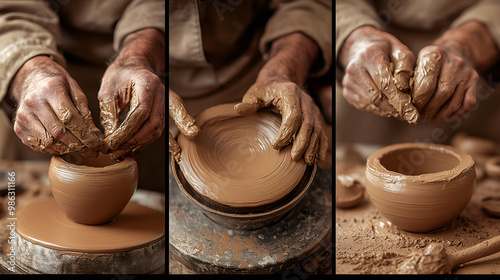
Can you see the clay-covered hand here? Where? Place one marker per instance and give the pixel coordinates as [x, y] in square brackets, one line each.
[446, 74]
[300, 117]
[378, 68]
[52, 114]
[132, 80]
[184, 121]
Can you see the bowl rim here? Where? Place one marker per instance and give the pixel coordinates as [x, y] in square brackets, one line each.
[126, 163]
[465, 162]
[265, 213]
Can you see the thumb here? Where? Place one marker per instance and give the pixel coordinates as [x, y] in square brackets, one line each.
[184, 121]
[247, 108]
[403, 60]
[426, 75]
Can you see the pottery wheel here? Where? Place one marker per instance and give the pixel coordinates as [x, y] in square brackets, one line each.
[303, 238]
[47, 239]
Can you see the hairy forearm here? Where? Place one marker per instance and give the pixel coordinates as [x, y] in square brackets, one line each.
[291, 58]
[474, 41]
[146, 48]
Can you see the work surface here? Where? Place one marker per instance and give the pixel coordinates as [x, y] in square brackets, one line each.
[367, 244]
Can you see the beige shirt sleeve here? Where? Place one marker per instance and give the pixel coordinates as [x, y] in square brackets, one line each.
[488, 13]
[351, 14]
[312, 18]
[138, 15]
[27, 29]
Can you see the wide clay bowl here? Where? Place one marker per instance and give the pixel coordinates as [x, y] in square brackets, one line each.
[420, 187]
[92, 191]
[245, 218]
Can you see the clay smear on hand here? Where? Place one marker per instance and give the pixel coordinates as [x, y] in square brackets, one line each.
[425, 79]
[233, 162]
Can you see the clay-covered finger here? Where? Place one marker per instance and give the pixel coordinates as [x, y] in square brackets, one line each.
[403, 60]
[178, 112]
[151, 130]
[291, 116]
[310, 154]
[79, 99]
[369, 97]
[301, 141]
[426, 76]
[254, 99]
[445, 90]
[323, 146]
[74, 122]
[468, 103]
[33, 134]
[109, 115]
[453, 104]
[382, 76]
[140, 109]
[66, 141]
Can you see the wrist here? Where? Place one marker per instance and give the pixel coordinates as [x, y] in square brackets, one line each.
[473, 41]
[291, 58]
[144, 49]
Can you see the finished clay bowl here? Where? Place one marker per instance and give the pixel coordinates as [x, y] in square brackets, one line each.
[420, 187]
[92, 191]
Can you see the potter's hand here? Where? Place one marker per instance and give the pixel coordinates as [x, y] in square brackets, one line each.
[378, 68]
[52, 115]
[445, 77]
[278, 85]
[131, 79]
[183, 120]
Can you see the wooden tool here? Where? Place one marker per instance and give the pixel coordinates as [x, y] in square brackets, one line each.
[435, 260]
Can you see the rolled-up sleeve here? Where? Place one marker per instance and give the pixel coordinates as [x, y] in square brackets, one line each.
[27, 29]
[312, 18]
[139, 14]
[350, 15]
[488, 13]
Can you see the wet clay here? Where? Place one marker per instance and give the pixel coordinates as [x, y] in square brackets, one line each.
[232, 161]
[92, 190]
[401, 101]
[425, 78]
[43, 222]
[109, 115]
[420, 187]
[492, 205]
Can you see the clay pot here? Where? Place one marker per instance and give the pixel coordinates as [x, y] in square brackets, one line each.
[420, 187]
[92, 190]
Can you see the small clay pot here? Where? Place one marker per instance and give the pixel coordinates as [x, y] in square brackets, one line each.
[420, 187]
[92, 191]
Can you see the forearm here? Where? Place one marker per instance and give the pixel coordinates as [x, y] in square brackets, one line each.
[291, 58]
[473, 40]
[146, 48]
